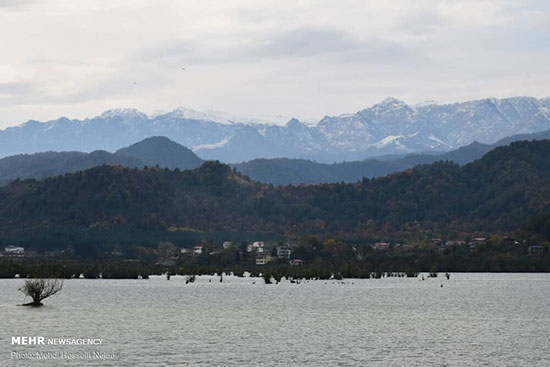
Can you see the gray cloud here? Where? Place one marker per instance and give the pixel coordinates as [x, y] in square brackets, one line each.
[15, 88]
[333, 44]
[305, 42]
[303, 58]
[386, 52]
[294, 44]
[13, 4]
[178, 51]
[422, 23]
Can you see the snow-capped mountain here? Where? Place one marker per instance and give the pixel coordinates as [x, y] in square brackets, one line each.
[388, 127]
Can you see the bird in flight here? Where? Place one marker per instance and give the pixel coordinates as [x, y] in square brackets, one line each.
[182, 68]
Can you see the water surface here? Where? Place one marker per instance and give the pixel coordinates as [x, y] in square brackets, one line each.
[473, 320]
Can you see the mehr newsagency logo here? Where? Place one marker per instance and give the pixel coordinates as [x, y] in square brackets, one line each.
[59, 354]
[40, 340]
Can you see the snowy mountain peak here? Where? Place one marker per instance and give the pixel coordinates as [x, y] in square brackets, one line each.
[294, 122]
[388, 127]
[390, 101]
[190, 114]
[425, 103]
[222, 117]
[492, 101]
[125, 113]
[389, 105]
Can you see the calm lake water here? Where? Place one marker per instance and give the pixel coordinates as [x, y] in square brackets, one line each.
[473, 320]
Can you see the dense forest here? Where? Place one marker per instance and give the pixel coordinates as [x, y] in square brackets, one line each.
[110, 205]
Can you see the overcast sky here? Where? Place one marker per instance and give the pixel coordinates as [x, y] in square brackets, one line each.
[300, 58]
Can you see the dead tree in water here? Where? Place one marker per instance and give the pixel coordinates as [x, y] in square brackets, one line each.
[40, 289]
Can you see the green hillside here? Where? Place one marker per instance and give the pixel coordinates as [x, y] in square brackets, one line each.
[497, 193]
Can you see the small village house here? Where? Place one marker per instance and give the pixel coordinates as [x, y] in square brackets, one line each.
[455, 243]
[381, 245]
[14, 251]
[296, 262]
[283, 252]
[535, 250]
[264, 259]
[255, 246]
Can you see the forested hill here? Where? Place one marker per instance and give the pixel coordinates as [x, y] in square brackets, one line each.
[161, 151]
[498, 192]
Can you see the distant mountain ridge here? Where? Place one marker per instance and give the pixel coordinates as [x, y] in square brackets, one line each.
[153, 151]
[389, 127]
[284, 171]
[162, 152]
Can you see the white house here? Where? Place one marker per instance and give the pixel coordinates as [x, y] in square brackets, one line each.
[14, 251]
[258, 246]
[381, 245]
[296, 262]
[263, 259]
[283, 252]
[455, 243]
[479, 240]
[264, 250]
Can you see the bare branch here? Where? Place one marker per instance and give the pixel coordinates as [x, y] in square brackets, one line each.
[40, 289]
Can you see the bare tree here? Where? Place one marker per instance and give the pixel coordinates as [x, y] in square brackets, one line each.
[39, 289]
